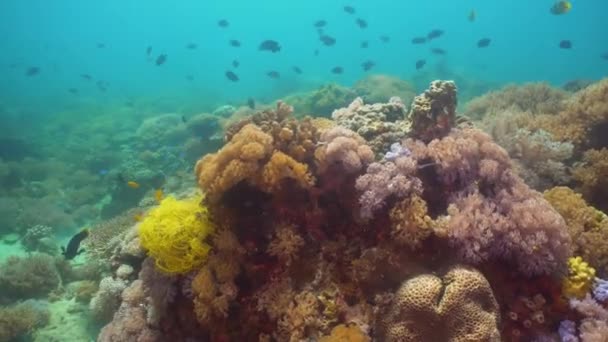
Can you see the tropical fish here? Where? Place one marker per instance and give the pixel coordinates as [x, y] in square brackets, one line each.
[472, 16]
[251, 103]
[420, 63]
[273, 74]
[235, 43]
[191, 46]
[364, 44]
[232, 76]
[223, 23]
[385, 38]
[320, 23]
[337, 70]
[484, 42]
[184, 120]
[158, 195]
[101, 85]
[73, 91]
[148, 50]
[367, 65]
[349, 9]
[436, 33]
[190, 78]
[316, 52]
[297, 70]
[161, 59]
[235, 63]
[418, 40]
[565, 44]
[561, 7]
[270, 45]
[361, 23]
[86, 77]
[32, 71]
[133, 184]
[72, 249]
[438, 51]
[604, 56]
[101, 45]
[327, 40]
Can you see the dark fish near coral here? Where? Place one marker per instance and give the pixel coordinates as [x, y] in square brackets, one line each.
[385, 39]
[273, 74]
[472, 16]
[191, 46]
[364, 44]
[235, 63]
[561, 7]
[484, 42]
[320, 23]
[436, 33]
[101, 45]
[565, 44]
[251, 103]
[361, 23]
[232, 76]
[223, 23]
[297, 70]
[418, 40]
[235, 43]
[32, 71]
[86, 77]
[438, 51]
[337, 70]
[327, 40]
[270, 45]
[148, 50]
[368, 65]
[420, 63]
[73, 248]
[349, 9]
[161, 59]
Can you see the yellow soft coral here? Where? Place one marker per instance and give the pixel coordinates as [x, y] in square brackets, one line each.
[580, 278]
[174, 232]
[345, 333]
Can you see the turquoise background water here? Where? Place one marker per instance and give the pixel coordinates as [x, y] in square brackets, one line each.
[61, 36]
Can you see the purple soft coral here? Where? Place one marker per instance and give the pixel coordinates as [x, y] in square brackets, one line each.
[397, 151]
[600, 289]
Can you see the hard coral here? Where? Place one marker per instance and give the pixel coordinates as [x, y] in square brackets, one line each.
[21, 320]
[174, 232]
[459, 306]
[29, 277]
[433, 113]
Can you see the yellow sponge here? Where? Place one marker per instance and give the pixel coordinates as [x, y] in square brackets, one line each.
[580, 278]
[174, 232]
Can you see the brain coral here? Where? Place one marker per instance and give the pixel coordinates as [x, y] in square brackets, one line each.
[458, 307]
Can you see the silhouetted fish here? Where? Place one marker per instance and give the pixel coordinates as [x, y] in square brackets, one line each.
[101, 85]
[73, 91]
[190, 78]
[32, 71]
[484, 42]
[565, 44]
[235, 43]
[337, 70]
[368, 65]
[436, 33]
[273, 74]
[251, 103]
[235, 63]
[223, 23]
[73, 247]
[161, 59]
[86, 77]
[420, 63]
[232, 76]
[148, 50]
[385, 38]
[327, 40]
[604, 56]
[361, 23]
[320, 23]
[349, 9]
[270, 45]
[101, 45]
[191, 46]
[316, 52]
[296, 70]
[438, 51]
[472, 15]
[364, 44]
[418, 40]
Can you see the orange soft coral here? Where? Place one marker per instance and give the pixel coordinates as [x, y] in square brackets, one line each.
[281, 167]
[410, 222]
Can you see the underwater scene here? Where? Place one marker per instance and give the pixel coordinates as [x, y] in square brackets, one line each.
[303, 170]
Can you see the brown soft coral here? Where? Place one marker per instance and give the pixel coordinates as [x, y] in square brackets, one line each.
[592, 175]
[281, 167]
[32, 276]
[410, 222]
[459, 307]
[286, 244]
[345, 148]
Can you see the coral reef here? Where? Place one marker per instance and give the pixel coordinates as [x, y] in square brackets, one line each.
[343, 148]
[33, 276]
[21, 320]
[322, 101]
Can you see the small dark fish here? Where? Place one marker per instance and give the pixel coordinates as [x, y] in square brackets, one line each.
[349, 9]
[86, 77]
[418, 40]
[337, 70]
[101, 45]
[327, 40]
[296, 70]
[604, 56]
[190, 78]
[73, 248]
[316, 52]
[472, 16]
[235, 43]
[191, 46]
[565, 44]
[184, 120]
[101, 85]
[32, 71]
[361, 23]
[420, 63]
[364, 44]
[320, 23]
[232, 76]
[385, 39]
[251, 103]
[484, 42]
[148, 50]
[223, 23]
[438, 51]
[161, 59]
[436, 33]
[270, 45]
[73, 91]
[235, 63]
[368, 65]
[273, 74]
[560, 7]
